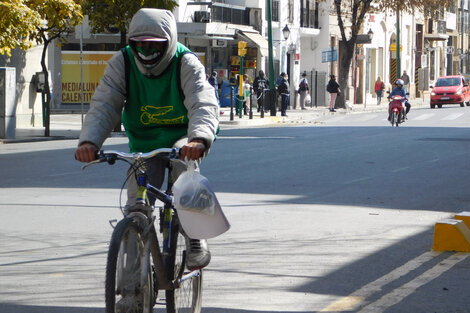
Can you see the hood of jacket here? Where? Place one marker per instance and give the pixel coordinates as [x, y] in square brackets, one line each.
[155, 23]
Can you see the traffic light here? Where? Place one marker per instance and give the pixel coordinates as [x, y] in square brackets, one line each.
[242, 48]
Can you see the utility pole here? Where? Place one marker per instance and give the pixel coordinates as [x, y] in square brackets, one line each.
[271, 99]
[461, 36]
[398, 46]
[241, 93]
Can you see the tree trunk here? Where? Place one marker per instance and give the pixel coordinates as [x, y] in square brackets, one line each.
[46, 91]
[347, 54]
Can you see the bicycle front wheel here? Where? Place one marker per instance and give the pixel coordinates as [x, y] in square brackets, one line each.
[188, 297]
[129, 279]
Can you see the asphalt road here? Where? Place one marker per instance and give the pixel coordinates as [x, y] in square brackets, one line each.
[335, 217]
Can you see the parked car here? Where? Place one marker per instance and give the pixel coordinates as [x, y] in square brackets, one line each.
[450, 90]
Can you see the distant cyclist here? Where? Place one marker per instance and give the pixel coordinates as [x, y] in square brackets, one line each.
[400, 91]
[160, 88]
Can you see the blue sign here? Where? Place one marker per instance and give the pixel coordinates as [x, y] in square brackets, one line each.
[329, 55]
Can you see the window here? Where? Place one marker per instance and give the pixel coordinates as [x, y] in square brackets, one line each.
[309, 14]
[275, 9]
[291, 11]
[229, 14]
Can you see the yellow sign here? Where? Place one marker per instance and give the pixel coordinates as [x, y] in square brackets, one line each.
[94, 64]
[393, 47]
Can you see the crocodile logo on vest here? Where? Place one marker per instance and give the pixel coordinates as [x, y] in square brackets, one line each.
[152, 115]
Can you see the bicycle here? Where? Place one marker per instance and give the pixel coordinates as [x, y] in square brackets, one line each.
[137, 268]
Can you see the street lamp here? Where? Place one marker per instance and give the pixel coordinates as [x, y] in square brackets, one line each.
[286, 32]
[370, 34]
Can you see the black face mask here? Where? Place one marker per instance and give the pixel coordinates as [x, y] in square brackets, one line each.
[149, 53]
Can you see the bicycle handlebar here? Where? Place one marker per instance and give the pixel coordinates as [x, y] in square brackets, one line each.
[110, 156]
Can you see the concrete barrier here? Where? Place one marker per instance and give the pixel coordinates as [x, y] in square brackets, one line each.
[453, 234]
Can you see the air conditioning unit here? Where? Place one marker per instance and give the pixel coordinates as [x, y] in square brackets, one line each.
[202, 17]
[218, 43]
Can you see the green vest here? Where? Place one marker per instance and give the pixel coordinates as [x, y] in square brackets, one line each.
[154, 115]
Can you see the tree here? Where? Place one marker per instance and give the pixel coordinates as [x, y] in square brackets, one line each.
[59, 18]
[106, 15]
[40, 21]
[17, 26]
[353, 12]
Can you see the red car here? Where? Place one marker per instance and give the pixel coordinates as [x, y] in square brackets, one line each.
[450, 90]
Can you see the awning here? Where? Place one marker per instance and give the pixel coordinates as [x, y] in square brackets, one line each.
[204, 36]
[258, 40]
[436, 37]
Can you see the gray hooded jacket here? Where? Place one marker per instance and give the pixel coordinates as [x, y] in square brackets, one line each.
[107, 103]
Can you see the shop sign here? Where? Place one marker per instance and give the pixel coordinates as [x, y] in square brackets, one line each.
[94, 64]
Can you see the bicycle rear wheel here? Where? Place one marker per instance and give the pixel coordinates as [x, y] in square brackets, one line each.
[188, 297]
[129, 279]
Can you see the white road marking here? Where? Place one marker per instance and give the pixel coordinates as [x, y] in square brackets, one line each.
[356, 180]
[404, 291]
[367, 117]
[453, 116]
[400, 169]
[355, 299]
[423, 117]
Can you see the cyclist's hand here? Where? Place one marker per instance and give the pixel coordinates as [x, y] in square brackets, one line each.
[86, 152]
[193, 150]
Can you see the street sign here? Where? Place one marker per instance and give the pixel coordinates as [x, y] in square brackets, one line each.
[329, 55]
[393, 47]
[450, 49]
[424, 60]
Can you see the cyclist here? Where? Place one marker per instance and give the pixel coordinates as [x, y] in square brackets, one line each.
[400, 91]
[160, 88]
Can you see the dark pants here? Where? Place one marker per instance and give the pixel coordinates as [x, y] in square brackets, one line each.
[260, 97]
[284, 103]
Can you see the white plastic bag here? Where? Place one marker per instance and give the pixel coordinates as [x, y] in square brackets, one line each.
[192, 192]
[308, 99]
[198, 209]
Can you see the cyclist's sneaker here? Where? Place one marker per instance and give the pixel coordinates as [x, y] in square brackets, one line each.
[197, 253]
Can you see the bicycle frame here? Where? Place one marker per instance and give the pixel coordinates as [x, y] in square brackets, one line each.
[142, 214]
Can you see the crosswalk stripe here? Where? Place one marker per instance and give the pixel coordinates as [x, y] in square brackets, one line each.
[367, 117]
[451, 117]
[423, 117]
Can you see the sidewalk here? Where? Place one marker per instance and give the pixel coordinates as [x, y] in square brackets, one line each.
[67, 126]
[305, 116]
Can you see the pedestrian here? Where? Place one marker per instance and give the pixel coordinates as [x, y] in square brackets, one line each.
[334, 90]
[260, 84]
[213, 81]
[379, 89]
[280, 79]
[283, 90]
[160, 89]
[246, 94]
[406, 81]
[303, 90]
